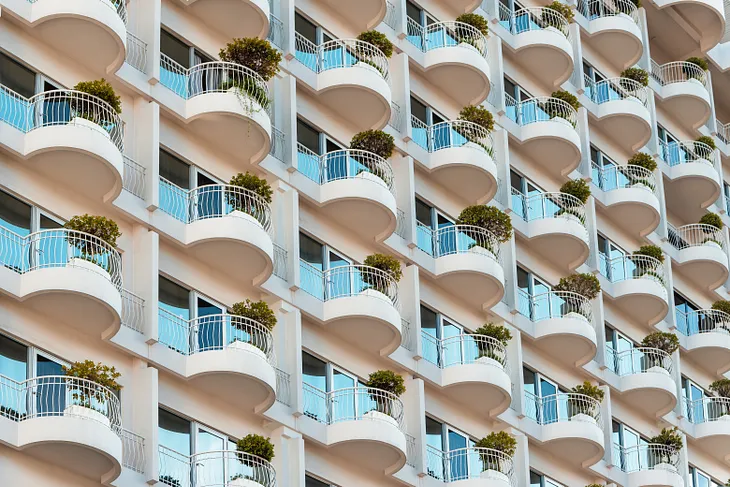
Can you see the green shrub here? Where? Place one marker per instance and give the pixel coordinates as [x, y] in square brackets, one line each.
[256, 54]
[707, 140]
[500, 441]
[712, 219]
[567, 97]
[596, 485]
[562, 9]
[386, 263]
[588, 389]
[498, 332]
[253, 183]
[585, 284]
[668, 437]
[497, 222]
[375, 141]
[99, 226]
[101, 89]
[642, 159]
[721, 387]
[98, 373]
[722, 305]
[667, 342]
[257, 311]
[386, 380]
[636, 74]
[651, 251]
[379, 40]
[255, 91]
[255, 445]
[578, 188]
[478, 115]
[476, 21]
[700, 62]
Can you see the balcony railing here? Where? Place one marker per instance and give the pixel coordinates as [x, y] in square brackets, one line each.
[221, 468]
[595, 9]
[613, 177]
[276, 31]
[639, 360]
[352, 404]
[213, 201]
[702, 321]
[646, 457]
[677, 72]
[457, 239]
[540, 109]
[707, 409]
[468, 463]
[344, 164]
[561, 407]
[396, 117]
[445, 34]
[686, 152]
[283, 387]
[119, 6]
[454, 133]
[540, 206]
[214, 332]
[723, 131]
[59, 396]
[132, 311]
[554, 304]
[133, 179]
[391, 14]
[696, 235]
[60, 248]
[614, 89]
[340, 53]
[136, 52]
[463, 349]
[133, 456]
[625, 267]
[347, 281]
[532, 19]
[58, 108]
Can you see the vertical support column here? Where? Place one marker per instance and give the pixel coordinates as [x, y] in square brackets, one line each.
[671, 319]
[401, 97]
[653, 144]
[147, 148]
[292, 351]
[576, 79]
[148, 21]
[405, 173]
[500, 139]
[288, 462]
[286, 227]
[683, 466]
[662, 229]
[288, 102]
[645, 59]
[514, 359]
[286, 15]
[401, 25]
[591, 227]
[607, 416]
[409, 290]
[522, 458]
[145, 276]
[415, 413]
[711, 122]
[145, 418]
[677, 376]
[584, 134]
[717, 164]
[496, 68]
[599, 318]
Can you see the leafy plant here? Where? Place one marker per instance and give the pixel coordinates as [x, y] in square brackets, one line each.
[98, 373]
[588, 389]
[253, 183]
[721, 387]
[257, 445]
[668, 437]
[667, 342]
[101, 89]
[578, 188]
[252, 90]
[375, 141]
[708, 141]
[478, 115]
[476, 21]
[636, 74]
[579, 405]
[500, 441]
[386, 263]
[556, 110]
[722, 305]
[256, 54]
[595, 485]
[651, 251]
[585, 284]
[560, 8]
[386, 380]
[642, 159]
[379, 40]
[497, 222]
[498, 332]
[699, 62]
[712, 219]
[257, 311]
[98, 226]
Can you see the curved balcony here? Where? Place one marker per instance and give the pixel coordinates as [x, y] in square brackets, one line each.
[547, 132]
[711, 419]
[702, 253]
[563, 325]
[471, 467]
[467, 262]
[67, 27]
[638, 286]
[650, 465]
[613, 30]
[460, 157]
[541, 42]
[363, 425]
[353, 79]
[706, 18]
[226, 104]
[72, 276]
[556, 226]
[237, 18]
[571, 426]
[646, 379]
[630, 197]
[356, 189]
[694, 183]
[226, 355]
[622, 110]
[218, 468]
[363, 15]
[474, 370]
[707, 342]
[685, 92]
[454, 59]
[360, 304]
[227, 227]
[71, 423]
[72, 138]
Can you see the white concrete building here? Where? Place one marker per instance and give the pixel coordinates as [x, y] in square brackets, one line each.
[196, 378]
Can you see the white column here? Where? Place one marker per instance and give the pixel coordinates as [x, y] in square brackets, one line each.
[500, 139]
[288, 101]
[576, 77]
[496, 68]
[599, 318]
[289, 461]
[147, 148]
[410, 299]
[148, 20]
[662, 229]
[585, 144]
[292, 352]
[645, 60]
[286, 15]
[522, 459]
[399, 88]
[591, 226]
[514, 359]
[677, 376]
[145, 277]
[145, 416]
[415, 408]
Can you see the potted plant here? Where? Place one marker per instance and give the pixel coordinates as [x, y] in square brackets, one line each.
[243, 205]
[483, 119]
[93, 256]
[644, 160]
[722, 323]
[475, 20]
[707, 140]
[259, 312]
[714, 223]
[721, 409]
[83, 112]
[584, 284]
[488, 354]
[691, 71]
[494, 467]
[556, 110]
[489, 218]
[381, 42]
[257, 446]
[388, 381]
[670, 438]
[660, 340]
[649, 268]
[378, 285]
[581, 409]
[376, 142]
[466, 35]
[639, 75]
[553, 22]
[84, 401]
[259, 56]
[579, 189]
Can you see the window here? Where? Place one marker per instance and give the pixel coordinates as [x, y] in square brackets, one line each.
[514, 94]
[435, 327]
[177, 178]
[694, 406]
[690, 320]
[538, 387]
[596, 90]
[177, 57]
[315, 258]
[726, 190]
[532, 300]
[522, 189]
[442, 438]
[22, 80]
[313, 143]
[310, 481]
[701, 479]
[320, 377]
[611, 264]
[616, 343]
[427, 128]
[429, 221]
[603, 174]
[670, 150]
[627, 451]
[310, 35]
[539, 480]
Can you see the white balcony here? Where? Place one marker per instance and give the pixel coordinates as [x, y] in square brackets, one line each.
[472, 369]
[541, 41]
[621, 110]
[471, 467]
[453, 57]
[684, 92]
[358, 303]
[646, 380]
[703, 20]
[466, 262]
[650, 465]
[67, 27]
[233, 18]
[547, 132]
[710, 417]
[210, 468]
[459, 155]
[362, 14]
[361, 424]
[613, 30]
[226, 227]
[706, 338]
[694, 183]
[71, 138]
[70, 423]
[351, 78]
[355, 188]
[225, 355]
[629, 197]
[638, 286]
[72, 276]
[701, 254]
[554, 225]
[571, 426]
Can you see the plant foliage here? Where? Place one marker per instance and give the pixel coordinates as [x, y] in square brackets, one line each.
[476, 21]
[256, 54]
[497, 222]
[478, 115]
[651, 251]
[379, 40]
[386, 380]
[721, 387]
[585, 284]
[257, 445]
[386, 263]
[562, 9]
[722, 305]
[712, 219]
[636, 74]
[253, 183]
[98, 373]
[567, 97]
[101, 89]
[578, 188]
[642, 159]
[500, 441]
[588, 389]
[707, 140]
[375, 141]
[99, 226]
[700, 62]
[498, 332]
[257, 311]
[667, 342]
[668, 437]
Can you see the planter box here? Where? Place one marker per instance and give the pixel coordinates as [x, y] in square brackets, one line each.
[575, 316]
[375, 293]
[84, 412]
[89, 266]
[481, 251]
[489, 361]
[665, 466]
[378, 416]
[82, 122]
[245, 216]
[247, 347]
[368, 176]
[656, 369]
[585, 418]
[711, 243]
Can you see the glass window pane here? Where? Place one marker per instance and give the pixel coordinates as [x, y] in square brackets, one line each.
[305, 28]
[174, 48]
[310, 251]
[308, 136]
[423, 212]
[174, 169]
[13, 359]
[419, 110]
[16, 77]
[312, 482]
[429, 334]
[14, 214]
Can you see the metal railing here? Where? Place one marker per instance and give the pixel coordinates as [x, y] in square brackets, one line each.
[340, 53]
[639, 360]
[595, 9]
[540, 206]
[60, 396]
[119, 6]
[283, 387]
[136, 53]
[352, 404]
[344, 164]
[280, 262]
[60, 248]
[133, 456]
[219, 468]
[540, 109]
[469, 463]
[702, 321]
[445, 34]
[646, 457]
[276, 31]
[626, 267]
[696, 235]
[391, 14]
[215, 332]
[464, 349]
[61, 107]
[564, 406]
[213, 201]
[133, 178]
[613, 177]
[554, 304]
[278, 143]
[614, 89]
[723, 131]
[532, 19]
[458, 239]
[132, 311]
[707, 409]
[450, 134]
[686, 152]
[677, 72]
[401, 223]
[411, 451]
[407, 337]
[348, 280]
[396, 117]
